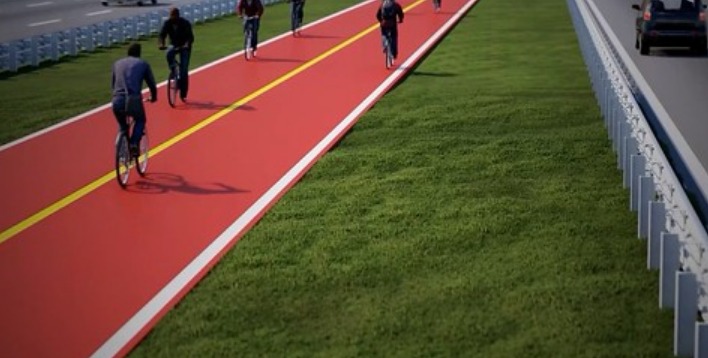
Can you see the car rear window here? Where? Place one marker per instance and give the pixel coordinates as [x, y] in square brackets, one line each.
[676, 5]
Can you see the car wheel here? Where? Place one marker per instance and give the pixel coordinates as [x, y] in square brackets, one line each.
[643, 47]
[636, 41]
[700, 48]
[104, 3]
[140, 3]
[154, 2]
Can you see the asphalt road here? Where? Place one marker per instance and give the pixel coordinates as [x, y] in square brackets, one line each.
[24, 18]
[678, 78]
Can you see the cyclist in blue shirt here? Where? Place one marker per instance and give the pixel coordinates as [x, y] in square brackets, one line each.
[126, 84]
[254, 9]
[387, 13]
[179, 30]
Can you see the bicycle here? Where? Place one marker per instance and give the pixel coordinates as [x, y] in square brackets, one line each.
[248, 34]
[173, 80]
[388, 51]
[125, 159]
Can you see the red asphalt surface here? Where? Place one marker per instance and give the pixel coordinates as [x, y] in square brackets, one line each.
[70, 281]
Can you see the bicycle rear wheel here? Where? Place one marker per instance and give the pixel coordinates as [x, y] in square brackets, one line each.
[294, 23]
[172, 89]
[387, 53]
[122, 159]
[141, 160]
[247, 44]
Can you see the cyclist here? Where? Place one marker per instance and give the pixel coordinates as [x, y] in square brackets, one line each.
[297, 8]
[181, 37]
[126, 84]
[387, 13]
[254, 9]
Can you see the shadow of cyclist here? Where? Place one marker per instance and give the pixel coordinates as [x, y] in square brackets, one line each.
[162, 183]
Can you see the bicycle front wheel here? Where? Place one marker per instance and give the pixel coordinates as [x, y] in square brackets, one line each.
[141, 160]
[122, 159]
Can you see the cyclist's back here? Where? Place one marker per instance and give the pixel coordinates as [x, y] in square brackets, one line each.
[389, 14]
[128, 76]
[178, 29]
[250, 8]
[126, 84]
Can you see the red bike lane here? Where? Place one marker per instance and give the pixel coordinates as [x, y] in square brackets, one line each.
[96, 274]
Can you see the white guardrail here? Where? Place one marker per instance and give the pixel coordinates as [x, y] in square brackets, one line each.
[37, 49]
[676, 239]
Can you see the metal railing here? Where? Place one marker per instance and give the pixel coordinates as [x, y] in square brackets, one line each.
[676, 238]
[34, 50]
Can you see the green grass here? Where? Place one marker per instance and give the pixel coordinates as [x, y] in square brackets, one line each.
[489, 221]
[474, 211]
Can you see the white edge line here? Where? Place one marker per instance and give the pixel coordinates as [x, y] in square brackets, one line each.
[694, 166]
[96, 13]
[45, 3]
[199, 69]
[136, 323]
[35, 24]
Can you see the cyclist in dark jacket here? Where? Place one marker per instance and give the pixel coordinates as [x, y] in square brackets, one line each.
[179, 30]
[387, 13]
[251, 8]
[297, 8]
[127, 83]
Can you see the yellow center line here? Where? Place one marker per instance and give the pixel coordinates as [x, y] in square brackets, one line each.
[85, 190]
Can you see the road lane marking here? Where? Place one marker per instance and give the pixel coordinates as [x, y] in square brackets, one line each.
[45, 3]
[98, 12]
[42, 23]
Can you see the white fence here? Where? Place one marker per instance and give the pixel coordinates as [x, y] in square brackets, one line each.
[676, 238]
[34, 50]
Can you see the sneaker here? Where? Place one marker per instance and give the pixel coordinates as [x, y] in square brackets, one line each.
[254, 53]
[184, 99]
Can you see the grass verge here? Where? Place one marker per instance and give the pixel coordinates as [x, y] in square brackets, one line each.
[474, 211]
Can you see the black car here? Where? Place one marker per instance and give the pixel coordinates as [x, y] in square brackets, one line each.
[671, 23]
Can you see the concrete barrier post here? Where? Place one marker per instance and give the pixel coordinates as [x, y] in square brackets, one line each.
[701, 340]
[667, 272]
[637, 169]
[646, 195]
[685, 314]
[657, 226]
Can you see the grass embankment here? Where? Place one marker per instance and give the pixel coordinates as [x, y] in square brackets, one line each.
[474, 211]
